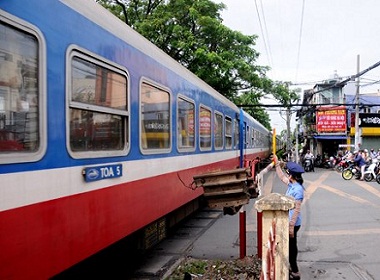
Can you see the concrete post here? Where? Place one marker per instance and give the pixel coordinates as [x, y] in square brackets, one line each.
[275, 235]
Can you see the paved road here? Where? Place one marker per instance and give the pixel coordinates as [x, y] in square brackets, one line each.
[341, 223]
[338, 238]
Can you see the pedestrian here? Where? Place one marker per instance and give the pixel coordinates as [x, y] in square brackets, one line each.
[293, 180]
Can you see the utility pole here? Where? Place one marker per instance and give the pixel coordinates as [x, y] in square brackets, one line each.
[297, 133]
[357, 134]
[288, 142]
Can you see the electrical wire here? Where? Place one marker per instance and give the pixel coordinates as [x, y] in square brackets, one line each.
[267, 36]
[262, 33]
[300, 39]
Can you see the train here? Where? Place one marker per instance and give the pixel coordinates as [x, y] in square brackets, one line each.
[101, 134]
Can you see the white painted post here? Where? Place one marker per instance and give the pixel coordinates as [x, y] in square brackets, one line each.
[275, 235]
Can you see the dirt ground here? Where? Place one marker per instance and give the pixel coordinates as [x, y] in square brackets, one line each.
[248, 268]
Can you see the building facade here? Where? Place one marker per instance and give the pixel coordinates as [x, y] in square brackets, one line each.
[326, 121]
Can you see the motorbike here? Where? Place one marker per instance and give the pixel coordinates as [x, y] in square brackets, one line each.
[343, 164]
[318, 161]
[307, 165]
[351, 171]
[371, 171]
[328, 162]
[378, 178]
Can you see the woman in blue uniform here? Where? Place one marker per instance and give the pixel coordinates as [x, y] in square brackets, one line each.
[294, 181]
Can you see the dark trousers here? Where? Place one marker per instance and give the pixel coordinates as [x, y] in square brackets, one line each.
[293, 250]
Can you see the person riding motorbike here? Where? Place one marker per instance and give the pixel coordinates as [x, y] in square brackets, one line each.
[360, 162]
[310, 156]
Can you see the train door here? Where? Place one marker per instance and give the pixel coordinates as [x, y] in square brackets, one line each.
[242, 138]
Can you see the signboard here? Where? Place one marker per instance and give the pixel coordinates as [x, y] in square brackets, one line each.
[330, 120]
[97, 173]
[369, 120]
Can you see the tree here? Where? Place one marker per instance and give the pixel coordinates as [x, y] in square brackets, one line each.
[286, 97]
[191, 31]
[248, 98]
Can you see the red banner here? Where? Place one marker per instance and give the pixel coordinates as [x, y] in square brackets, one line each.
[331, 120]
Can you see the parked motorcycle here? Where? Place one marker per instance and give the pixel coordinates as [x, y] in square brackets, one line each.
[328, 162]
[318, 161]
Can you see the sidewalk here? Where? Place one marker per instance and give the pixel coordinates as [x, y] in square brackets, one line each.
[211, 235]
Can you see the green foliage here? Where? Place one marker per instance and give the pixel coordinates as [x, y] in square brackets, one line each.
[283, 94]
[195, 267]
[258, 112]
[192, 33]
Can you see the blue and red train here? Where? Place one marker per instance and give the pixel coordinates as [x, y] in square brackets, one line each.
[99, 131]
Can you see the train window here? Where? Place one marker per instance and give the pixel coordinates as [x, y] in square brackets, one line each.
[185, 124]
[22, 92]
[248, 137]
[204, 128]
[236, 134]
[218, 130]
[155, 119]
[98, 108]
[252, 137]
[228, 133]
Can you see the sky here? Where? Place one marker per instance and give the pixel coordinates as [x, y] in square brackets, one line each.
[309, 41]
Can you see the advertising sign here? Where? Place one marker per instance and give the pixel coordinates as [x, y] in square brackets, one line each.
[369, 120]
[331, 120]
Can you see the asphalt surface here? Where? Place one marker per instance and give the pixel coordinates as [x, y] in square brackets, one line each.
[338, 238]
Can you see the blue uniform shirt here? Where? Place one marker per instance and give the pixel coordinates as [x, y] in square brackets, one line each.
[295, 190]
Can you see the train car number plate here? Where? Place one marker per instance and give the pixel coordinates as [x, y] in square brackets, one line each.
[97, 173]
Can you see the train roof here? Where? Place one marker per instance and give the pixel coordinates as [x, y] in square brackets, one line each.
[257, 123]
[105, 19]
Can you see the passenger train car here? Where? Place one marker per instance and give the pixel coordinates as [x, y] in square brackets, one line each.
[100, 136]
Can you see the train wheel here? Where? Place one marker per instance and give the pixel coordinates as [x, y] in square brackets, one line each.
[347, 174]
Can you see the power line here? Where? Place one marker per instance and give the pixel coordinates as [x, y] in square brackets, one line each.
[305, 105]
[267, 35]
[351, 78]
[300, 39]
[262, 33]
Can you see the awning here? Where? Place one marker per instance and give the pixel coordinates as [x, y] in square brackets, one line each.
[330, 137]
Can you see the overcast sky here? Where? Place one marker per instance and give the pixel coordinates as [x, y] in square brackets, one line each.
[308, 41]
